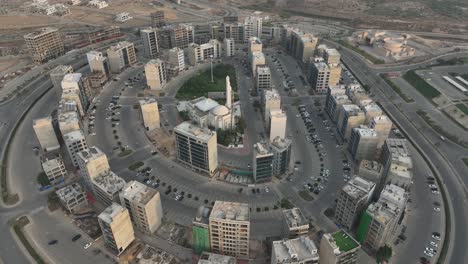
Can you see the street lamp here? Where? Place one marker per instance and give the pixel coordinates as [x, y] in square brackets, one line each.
[211, 57]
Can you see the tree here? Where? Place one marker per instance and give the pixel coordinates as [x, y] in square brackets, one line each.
[42, 179]
[384, 254]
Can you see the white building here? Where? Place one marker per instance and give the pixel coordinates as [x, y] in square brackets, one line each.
[75, 142]
[200, 53]
[278, 121]
[263, 78]
[300, 250]
[68, 122]
[229, 47]
[155, 72]
[45, 134]
[258, 58]
[122, 17]
[54, 169]
[98, 4]
[176, 60]
[72, 197]
[72, 89]
[149, 114]
[107, 188]
[271, 100]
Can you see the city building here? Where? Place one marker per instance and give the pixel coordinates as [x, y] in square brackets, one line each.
[252, 27]
[229, 47]
[152, 255]
[44, 44]
[121, 55]
[319, 76]
[180, 35]
[149, 38]
[332, 56]
[351, 116]
[397, 163]
[158, 19]
[155, 72]
[370, 111]
[75, 88]
[382, 125]
[98, 4]
[72, 197]
[263, 78]
[144, 205]
[56, 76]
[358, 95]
[75, 142]
[335, 74]
[333, 105]
[45, 134]
[302, 45]
[379, 223]
[257, 59]
[281, 148]
[235, 31]
[149, 113]
[255, 45]
[196, 147]
[300, 250]
[68, 121]
[262, 163]
[213, 258]
[198, 53]
[92, 163]
[176, 60]
[122, 17]
[338, 248]
[370, 170]
[352, 200]
[277, 122]
[97, 35]
[296, 223]
[363, 143]
[201, 231]
[107, 188]
[229, 226]
[54, 169]
[98, 62]
[271, 100]
[117, 229]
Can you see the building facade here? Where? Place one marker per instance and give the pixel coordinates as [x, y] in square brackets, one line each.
[155, 72]
[44, 44]
[75, 142]
[262, 163]
[45, 134]
[121, 55]
[117, 229]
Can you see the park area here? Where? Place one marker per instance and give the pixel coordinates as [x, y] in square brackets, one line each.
[201, 84]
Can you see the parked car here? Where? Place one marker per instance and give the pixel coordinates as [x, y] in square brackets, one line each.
[76, 237]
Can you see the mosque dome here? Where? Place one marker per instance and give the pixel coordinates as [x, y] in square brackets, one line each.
[220, 110]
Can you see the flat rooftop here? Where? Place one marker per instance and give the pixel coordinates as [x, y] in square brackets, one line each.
[397, 146]
[358, 187]
[147, 101]
[51, 164]
[295, 250]
[91, 153]
[295, 218]
[352, 109]
[212, 258]
[281, 143]
[68, 117]
[321, 66]
[262, 70]
[138, 192]
[230, 211]
[109, 183]
[195, 131]
[40, 32]
[154, 62]
[271, 95]
[69, 192]
[61, 69]
[258, 55]
[344, 241]
[72, 77]
[395, 195]
[382, 119]
[111, 212]
[370, 165]
[373, 107]
[74, 136]
[366, 132]
[261, 149]
[278, 113]
[120, 45]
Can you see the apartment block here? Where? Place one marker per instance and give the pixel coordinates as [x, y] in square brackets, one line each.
[117, 229]
[397, 163]
[196, 147]
[92, 163]
[107, 188]
[370, 170]
[296, 223]
[278, 121]
[56, 76]
[319, 76]
[213, 258]
[335, 74]
[271, 100]
[229, 47]
[370, 111]
[262, 163]
[263, 78]
[74, 88]
[180, 36]
[176, 60]
[352, 200]
[144, 205]
[155, 72]
[149, 38]
[351, 116]
[201, 230]
[254, 45]
[281, 148]
[54, 169]
[198, 53]
[72, 197]
[302, 45]
[334, 104]
[253, 27]
[358, 95]
[363, 143]
[229, 225]
[121, 55]
[300, 250]
[45, 134]
[332, 56]
[44, 44]
[338, 248]
[68, 121]
[235, 31]
[382, 125]
[257, 59]
[75, 142]
[158, 19]
[149, 114]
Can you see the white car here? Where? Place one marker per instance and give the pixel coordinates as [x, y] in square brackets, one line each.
[428, 249]
[429, 254]
[87, 245]
[436, 237]
[435, 192]
[434, 244]
[437, 209]
[432, 186]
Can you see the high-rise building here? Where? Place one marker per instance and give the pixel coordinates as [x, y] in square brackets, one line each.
[68, 121]
[278, 121]
[75, 142]
[229, 47]
[253, 27]
[302, 45]
[121, 55]
[199, 53]
[358, 95]
[72, 197]
[351, 116]
[258, 58]
[371, 110]
[335, 74]
[370, 170]
[56, 76]
[107, 188]
[271, 100]
[352, 200]
[397, 163]
[92, 163]
[263, 78]
[262, 163]
[155, 72]
[97, 62]
[338, 248]
[229, 225]
[382, 125]
[54, 169]
[180, 36]
[196, 147]
[334, 103]
[235, 31]
[281, 148]
[363, 143]
[176, 60]
[201, 230]
[296, 224]
[332, 56]
[298, 250]
[144, 205]
[45, 134]
[116, 227]
[44, 44]
[255, 45]
[158, 19]
[149, 38]
[149, 113]
[75, 89]
[319, 76]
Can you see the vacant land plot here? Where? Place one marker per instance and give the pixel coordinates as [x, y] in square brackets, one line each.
[463, 108]
[398, 90]
[421, 85]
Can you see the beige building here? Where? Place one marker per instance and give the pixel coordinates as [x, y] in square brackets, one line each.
[335, 74]
[277, 121]
[296, 223]
[54, 169]
[363, 143]
[352, 200]
[144, 205]
[92, 163]
[229, 49]
[75, 142]
[155, 72]
[213, 258]
[121, 55]
[107, 187]
[271, 100]
[351, 116]
[382, 125]
[44, 44]
[397, 162]
[302, 45]
[98, 62]
[300, 250]
[263, 78]
[117, 229]
[229, 225]
[196, 147]
[45, 134]
[149, 114]
[319, 76]
[72, 197]
[74, 89]
[332, 56]
[370, 111]
[370, 170]
[198, 53]
[56, 76]
[336, 97]
[255, 45]
[338, 248]
[258, 59]
[68, 122]
[358, 95]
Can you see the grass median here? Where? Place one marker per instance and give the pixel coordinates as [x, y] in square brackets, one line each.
[18, 225]
[397, 89]
[421, 85]
[440, 130]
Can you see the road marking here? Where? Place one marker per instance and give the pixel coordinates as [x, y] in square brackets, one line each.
[37, 210]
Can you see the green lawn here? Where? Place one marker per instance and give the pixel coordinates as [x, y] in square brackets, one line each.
[306, 195]
[421, 85]
[397, 89]
[125, 153]
[134, 166]
[344, 241]
[463, 108]
[201, 84]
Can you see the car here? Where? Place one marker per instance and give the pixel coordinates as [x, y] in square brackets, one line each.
[429, 254]
[435, 192]
[267, 189]
[432, 186]
[434, 244]
[436, 237]
[431, 250]
[437, 209]
[52, 242]
[76, 237]
[87, 245]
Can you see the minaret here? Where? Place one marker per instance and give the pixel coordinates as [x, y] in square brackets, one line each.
[228, 93]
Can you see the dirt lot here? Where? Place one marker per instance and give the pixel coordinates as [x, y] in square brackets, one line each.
[26, 20]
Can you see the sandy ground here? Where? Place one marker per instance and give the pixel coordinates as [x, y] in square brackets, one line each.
[9, 64]
[26, 20]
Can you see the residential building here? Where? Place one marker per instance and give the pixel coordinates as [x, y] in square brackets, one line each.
[149, 38]
[204, 52]
[200, 230]
[352, 200]
[117, 229]
[229, 47]
[338, 248]
[158, 19]
[271, 100]
[97, 35]
[122, 17]
[97, 80]
[335, 74]
[155, 72]
[176, 60]
[98, 62]
[263, 78]
[72, 197]
[180, 36]
[255, 45]
[363, 143]
[281, 148]
[235, 31]
[149, 113]
[300, 250]
[370, 170]
[68, 122]
[54, 169]
[302, 45]
[121, 55]
[397, 163]
[76, 89]
[296, 223]
[144, 205]
[213, 258]
[229, 226]
[75, 142]
[56, 76]
[262, 163]
[253, 27]
[332, 56]
[92, 163]
[98, 4]
[370, 111]
[257, 59]
[334, 104]
[351, 116]
[107, 188]
[45, 134]
[44, 44]
[319, 76]
[382, 125]
[196, 147]
[358, 95]
[278, 121]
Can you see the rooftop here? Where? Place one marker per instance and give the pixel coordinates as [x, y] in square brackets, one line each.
[91, 153]
[358, 188]
[366, 132]
[230, 211]
[74, 136]
[381, 119]
[205, 104]
[155, 62]
[69, 192]
[109, 183]
[332, 52]
[40, 32]
[151, 255]
[321, 66]
[295, 218]
[192, 130]
[68, 117]
[258, 55]
[147, 101]
[295, 250]
[263, 70]
[111, 212]
[397, 146]
[72, 77]
[51, 164]
[212, 258]
[370, 165]
[43, 121]
[261, 149]
[373, 107]
[120, 45]
[255, 40]
[138, 192]
[278, 113]
[203, 214]
[60, 69]
[394, 195]
[281, 143]
[271, 95]
[344, 241]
